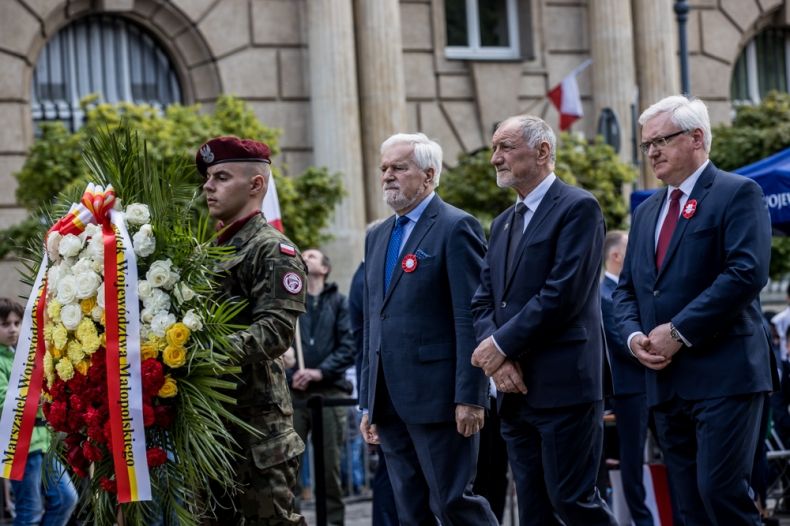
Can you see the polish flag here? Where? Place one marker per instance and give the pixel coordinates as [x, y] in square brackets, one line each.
[271, 206]
[566, 98]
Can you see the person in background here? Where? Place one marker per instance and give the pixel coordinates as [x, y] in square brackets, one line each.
[328, 350]
[45, 495]
[628, 379]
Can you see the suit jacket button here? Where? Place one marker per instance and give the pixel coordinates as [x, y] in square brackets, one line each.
[383, 316]
[655, 293]
[504, 304]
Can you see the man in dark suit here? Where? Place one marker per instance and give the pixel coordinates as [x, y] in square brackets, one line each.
[421, 398]
[688, 308]
[628, 379]
[538, 317]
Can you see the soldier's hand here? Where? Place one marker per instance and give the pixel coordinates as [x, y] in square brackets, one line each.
[469, 419]
[289, 357]
[303, 377]
[369, 432]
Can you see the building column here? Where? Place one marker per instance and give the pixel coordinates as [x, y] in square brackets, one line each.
[613, 76]
[382, 88]
[334, 108]
[656, 58]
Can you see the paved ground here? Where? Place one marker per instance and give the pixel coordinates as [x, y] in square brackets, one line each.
[358, 514]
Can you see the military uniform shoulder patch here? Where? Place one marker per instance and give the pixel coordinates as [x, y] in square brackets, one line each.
[289, 250]
[292, 282]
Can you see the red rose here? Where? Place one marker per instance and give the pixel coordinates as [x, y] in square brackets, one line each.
[77, 461]
[91, 451]
[153, 376]
[149, 417]
[165, 414]
[57, 415]
[76, 402]
[156, 456]
[110, 486]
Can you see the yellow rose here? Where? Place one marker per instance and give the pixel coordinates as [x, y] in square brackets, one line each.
[149, 350]
[49, 365]
[87, 305]
[174, 356]
[90, 344]
[56, 353]
[48, 328]
[177, 334]
[74, 351]
[53, 310]
[64, 369]
[82, 367]
[60, 336]
[169, 389]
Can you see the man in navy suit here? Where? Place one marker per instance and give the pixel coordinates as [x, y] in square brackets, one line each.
[421, 398]
[628, 379]
[688, 308]
[537, 315]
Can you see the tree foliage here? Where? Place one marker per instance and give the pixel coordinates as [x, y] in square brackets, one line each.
[171, 137]
[592, 165]
[757, 132]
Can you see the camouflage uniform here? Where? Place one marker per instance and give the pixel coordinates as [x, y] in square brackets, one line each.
[272, 280]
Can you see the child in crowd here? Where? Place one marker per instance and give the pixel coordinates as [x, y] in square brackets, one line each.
[47, 502]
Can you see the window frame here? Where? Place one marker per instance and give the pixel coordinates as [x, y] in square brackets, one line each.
[749, 54]
[476, 51]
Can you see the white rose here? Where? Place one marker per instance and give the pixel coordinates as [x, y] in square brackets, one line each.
[53, 244]
[183, 293]
[54, 275]
[144, 289]
[71, 315]
[158, 273]
[146, 315]
[161, 322]
[87, 284]
[193, 321]
[93, 231]
[96, 248]
[172, 279]
[100, 296]
[96, 313]
[69, 246]
[157, 301]
[82, 266]
[144, 242]
[137, 214]
[67, 290]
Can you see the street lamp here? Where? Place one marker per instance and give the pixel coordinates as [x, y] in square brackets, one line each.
[682, 12]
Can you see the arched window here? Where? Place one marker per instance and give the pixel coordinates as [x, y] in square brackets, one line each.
[109, 56]
[762, 67]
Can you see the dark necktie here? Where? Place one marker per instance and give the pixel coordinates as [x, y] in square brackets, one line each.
[516, 231]
[393, 250]
[668, 227]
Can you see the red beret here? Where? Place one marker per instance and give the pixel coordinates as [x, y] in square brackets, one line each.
[231, 150]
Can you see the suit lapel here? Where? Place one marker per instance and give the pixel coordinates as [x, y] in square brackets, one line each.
[652, 211]
[545, 207]
[698, 193]
[423, 225]
[377, 255]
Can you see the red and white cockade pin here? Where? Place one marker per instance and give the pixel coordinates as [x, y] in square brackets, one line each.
[409, 263]
[690, 208]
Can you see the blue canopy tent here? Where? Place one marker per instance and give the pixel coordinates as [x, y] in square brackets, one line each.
[772, 174]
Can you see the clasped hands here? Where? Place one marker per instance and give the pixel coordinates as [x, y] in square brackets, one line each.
[506, 373]
[655, 351]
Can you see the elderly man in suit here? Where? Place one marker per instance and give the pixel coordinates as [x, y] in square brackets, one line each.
[688, 307]
[421, 398]
[628, 381]
[537, 315]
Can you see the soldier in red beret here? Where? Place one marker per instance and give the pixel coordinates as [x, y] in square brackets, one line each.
[268, 273]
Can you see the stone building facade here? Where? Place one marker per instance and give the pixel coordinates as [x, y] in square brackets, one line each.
[339, 76]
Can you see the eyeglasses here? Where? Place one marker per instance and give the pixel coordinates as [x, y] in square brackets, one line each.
[659, 142]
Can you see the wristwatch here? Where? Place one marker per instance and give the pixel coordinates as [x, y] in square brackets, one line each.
[674, 334]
